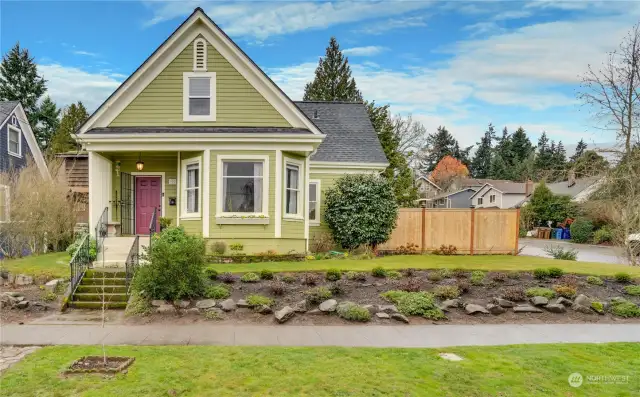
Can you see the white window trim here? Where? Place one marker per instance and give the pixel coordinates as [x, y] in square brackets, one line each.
[492, 198]
[318, 198]
[195, 45]
[480, 201]
[7, 202]
[221, 158]
[299, 216]
[185, 96]
[9, 129]
[183, 189]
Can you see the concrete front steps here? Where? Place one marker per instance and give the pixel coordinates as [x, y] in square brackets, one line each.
[115, 251]
[98, 286]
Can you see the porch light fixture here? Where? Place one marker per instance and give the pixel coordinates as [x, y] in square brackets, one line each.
[140, 163]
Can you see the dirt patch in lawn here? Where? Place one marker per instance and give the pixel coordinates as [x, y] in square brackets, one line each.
[36, 308]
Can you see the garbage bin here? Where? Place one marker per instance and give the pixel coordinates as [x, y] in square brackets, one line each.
[566, 235]
[559, 232]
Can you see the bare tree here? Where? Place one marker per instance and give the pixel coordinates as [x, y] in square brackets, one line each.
[612, 90]
[411, 135]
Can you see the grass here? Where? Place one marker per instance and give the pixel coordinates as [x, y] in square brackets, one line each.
[476, 262]
[55, 265]
[520, 370]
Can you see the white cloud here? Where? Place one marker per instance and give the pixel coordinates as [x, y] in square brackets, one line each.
[364, 51]
[86, 53]
[67, 85]
[380, 27]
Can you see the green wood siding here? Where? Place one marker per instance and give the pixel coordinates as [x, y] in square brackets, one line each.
[238, 103]
[253, 245]
[326, 181]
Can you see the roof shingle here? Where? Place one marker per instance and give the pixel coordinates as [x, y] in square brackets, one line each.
[6, 107]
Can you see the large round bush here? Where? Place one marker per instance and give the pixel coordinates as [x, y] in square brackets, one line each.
[175, 266]
[581, 230]
[361, 209]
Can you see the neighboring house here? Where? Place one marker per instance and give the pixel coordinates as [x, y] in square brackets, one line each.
[76, 177]
[501, 194]
[578, 189]
[199, 134]
[459, 199]
[426, 189]
[17, 145]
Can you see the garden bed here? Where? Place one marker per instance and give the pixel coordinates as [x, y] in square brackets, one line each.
[99, 365]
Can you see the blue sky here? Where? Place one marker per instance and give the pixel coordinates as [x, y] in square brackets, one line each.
[459, 64]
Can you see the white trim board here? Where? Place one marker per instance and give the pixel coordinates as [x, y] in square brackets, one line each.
[183, 189]
[301, 181]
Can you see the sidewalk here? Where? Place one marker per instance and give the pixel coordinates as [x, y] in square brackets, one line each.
[349, 336]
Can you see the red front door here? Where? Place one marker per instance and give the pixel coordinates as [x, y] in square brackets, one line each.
[148, 197]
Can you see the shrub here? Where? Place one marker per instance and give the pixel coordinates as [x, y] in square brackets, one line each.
[463, 286]
[175, 265]
[227, 278]
[411, 284]
[317, 295]
[598, 307]
[337, 288]
[603, 235]
[352, 312]
[220, 247]
[565, 291]
[217, 292]
[410, 272]
[581, 230]
[434, 276]
[419, 304]
[497, 276]
[394, 275]
[138, 306]
[569, 279]
[288, 278]
[633, 290]
[446, 250]
[557, 252]
[250, 278]
[266, 274]
[539, 291]
[333, 275]
[409, 249]
[514, 275]
[236, 247]
[278, 288]
[594, 280]
[393, 295]
[446, 291]
[477, 277]
[256, 301]
[49, 296]
[93, 247]
[446, 273]
[541, 273]
[622, 277]
[515, 294]
[356, 276]
[321, 242]
[310, 279]
[378, 272]
[555, 272]
[361, 209]
[212, 315]
[210, 273]
[459, 273]
[624, 308]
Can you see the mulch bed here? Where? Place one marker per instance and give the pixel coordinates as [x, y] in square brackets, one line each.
[98, 365]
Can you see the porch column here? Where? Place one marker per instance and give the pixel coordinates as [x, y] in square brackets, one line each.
[99, 188]
[206, 197]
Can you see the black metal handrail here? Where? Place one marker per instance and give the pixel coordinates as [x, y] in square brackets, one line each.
[80, 262]
[152, 225]
[132, 262]
[102, 229]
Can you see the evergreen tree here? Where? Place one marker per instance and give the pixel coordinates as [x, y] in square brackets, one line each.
[503, 145]
[481, 163]
[499, 168]
[73, 117]
[462, 154]
[439, 144]
[590, 164]
[521, 146]
[333, 81]
[49, 121]
[579, 151]
[543, 157]
[19, 81]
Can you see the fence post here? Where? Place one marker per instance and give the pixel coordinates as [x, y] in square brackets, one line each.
[473, 229]
[517, 247]
[424, 227]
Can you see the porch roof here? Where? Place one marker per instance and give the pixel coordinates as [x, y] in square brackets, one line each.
[198, 130]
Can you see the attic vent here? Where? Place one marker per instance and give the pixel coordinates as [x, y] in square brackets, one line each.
[200, 55]
[315, 114]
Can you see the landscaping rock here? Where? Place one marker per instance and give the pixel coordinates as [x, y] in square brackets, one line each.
[503, 302]
[7, 301]
[183, 304]
[228, 305]
[242, 303]
[19, 298]
[450, 304]
[382, 315]
[388, 309]
[284, 314]
[526, 309]
[205, 304]
[193, 310]
[373, 309]
[582, 300]
[400, 317]
[539, 301]
[300, 307]
[264, 309]
[315, 312]
[495, 309]
[23, 279]
[328, 305]
[22, 305]
[556, 308]
[166, 308]
[13, 294]
[582, 309]
[563, 301]
[53, 284]
[157, 302]
[472, 308]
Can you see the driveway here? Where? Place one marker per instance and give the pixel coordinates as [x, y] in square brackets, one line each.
[586, 253]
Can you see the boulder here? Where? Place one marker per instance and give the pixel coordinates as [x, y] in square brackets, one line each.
[228, 305]
[284, 314]
[563, 301]
[328, 305]
[556, 308]
[13, 294]
[157, 302]
[539, 301]
[23, 279]
[582, 300]
[19, 298]
[53, 284]
[373, 309]
[193, 310]
[183, 304]
[472, 308]
[382, 315]
[388, 309]
[7, 301]
[503, 302]
[526, 309]
[22, 304]
[450, 304]
[242, 303]
[400, 317]
[264, 309]
[300, 307]
[495, 309]
[315, 312]
[582, 309]
[166, 309]
[205, 304]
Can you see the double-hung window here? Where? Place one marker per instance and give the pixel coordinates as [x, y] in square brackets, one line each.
[480, 201]
[14, 141]
[314, 202]
[292, 189]
[199, 96]
[191, 178]
[492, 198]
[242, 186]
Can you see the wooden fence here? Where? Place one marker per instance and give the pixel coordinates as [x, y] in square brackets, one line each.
[471, 231]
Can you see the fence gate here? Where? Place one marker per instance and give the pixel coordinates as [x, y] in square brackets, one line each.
[127, 204]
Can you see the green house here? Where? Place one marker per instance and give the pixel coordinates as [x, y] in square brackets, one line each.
[199, 134]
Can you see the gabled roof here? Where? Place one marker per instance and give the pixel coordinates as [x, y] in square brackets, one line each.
[444, 195]
[197, 24]
[350, 136]
[424, 178]
[504, 187]
[6, 108]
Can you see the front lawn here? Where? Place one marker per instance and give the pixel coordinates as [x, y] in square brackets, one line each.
[54, 265]
[522, 370]
[476, 262]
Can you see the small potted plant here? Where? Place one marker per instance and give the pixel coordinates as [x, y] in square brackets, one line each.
[164, 222]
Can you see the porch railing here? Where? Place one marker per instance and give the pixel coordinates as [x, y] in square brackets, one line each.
[102, 230]
[132, 262]
[152, 226]
[80, 262]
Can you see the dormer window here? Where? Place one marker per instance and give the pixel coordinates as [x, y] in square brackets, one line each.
[200, 55]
